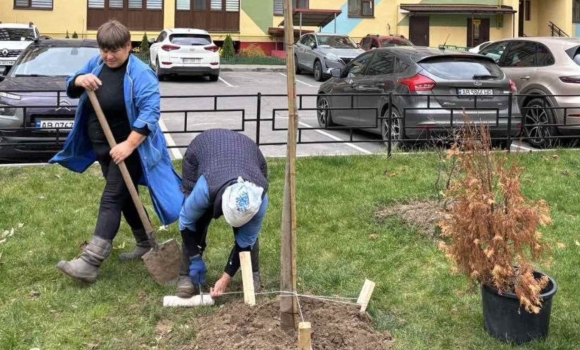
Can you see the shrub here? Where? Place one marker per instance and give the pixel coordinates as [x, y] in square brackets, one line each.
[75, 35]
[492, 230]
[253, 51]
[228, 50]
[66, 36]
[144, 47]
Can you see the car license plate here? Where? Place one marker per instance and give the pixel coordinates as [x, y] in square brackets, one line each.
[53, 125]
[192, 60]
[7, 63]
[475, 92]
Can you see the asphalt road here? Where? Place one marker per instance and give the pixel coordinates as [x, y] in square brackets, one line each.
[252, 83]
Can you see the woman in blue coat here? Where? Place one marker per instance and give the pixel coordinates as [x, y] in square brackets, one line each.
[128, 92]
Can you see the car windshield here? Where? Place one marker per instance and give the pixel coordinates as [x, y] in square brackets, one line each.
[460, 68]
[395, 42]
[52, 61]
[338, 42]
[16, 34]
[190, 39]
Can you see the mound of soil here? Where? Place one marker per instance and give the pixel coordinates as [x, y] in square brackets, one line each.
[424, 215]
[334, 326]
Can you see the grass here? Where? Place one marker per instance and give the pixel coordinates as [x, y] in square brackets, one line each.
[53, 210]
[267, 60]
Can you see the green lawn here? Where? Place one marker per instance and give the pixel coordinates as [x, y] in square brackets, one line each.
[340, 243]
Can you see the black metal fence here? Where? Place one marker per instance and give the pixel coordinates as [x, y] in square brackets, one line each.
[395, 120]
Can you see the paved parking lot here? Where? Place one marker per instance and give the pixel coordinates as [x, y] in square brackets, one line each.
[252, 83]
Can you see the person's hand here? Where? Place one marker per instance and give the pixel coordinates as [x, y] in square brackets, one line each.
[197, 270]
[220, 286]
[88, 81]
[121, 151]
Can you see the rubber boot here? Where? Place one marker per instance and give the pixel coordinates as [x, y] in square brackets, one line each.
[142, 246]
[86, 267]
[255, 257]
[185, 287]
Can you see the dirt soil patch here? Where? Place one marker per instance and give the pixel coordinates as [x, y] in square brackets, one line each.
[424, 215]
[334, 327]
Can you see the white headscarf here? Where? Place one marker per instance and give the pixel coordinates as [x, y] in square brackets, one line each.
[241, 201]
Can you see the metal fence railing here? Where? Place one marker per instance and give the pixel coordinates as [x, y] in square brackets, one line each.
[29, 124]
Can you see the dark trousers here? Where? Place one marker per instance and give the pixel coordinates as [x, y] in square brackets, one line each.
[116, 198]
[201, 227]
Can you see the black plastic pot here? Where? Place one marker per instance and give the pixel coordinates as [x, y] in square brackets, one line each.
[504, 320]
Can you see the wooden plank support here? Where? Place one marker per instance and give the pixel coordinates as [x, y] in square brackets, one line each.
[304, 336]
[365, 295]
[247, 278]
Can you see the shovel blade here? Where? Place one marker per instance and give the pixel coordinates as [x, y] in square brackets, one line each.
[163, 262]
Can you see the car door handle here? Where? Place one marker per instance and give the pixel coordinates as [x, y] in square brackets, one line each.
[381, 85]
[526, 78]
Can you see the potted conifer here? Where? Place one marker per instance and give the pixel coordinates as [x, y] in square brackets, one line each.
[491, 235]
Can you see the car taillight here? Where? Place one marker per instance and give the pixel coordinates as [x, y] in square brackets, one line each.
[574, 79]
[212, 48]
[417, 82]
[513, 86]
[169, 47]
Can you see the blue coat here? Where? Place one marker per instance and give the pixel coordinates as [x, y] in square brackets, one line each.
[142, 102]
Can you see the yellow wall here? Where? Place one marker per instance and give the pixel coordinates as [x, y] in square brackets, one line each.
[54, 23]
[557, 11]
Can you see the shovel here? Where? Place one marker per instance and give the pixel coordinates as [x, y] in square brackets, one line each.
[163, 260]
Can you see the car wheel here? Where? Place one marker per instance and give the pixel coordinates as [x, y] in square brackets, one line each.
[297, 66]
[536, 116]
[396, 130]
[160, 75]
[214, 77]
[318, 71]
[323, 113]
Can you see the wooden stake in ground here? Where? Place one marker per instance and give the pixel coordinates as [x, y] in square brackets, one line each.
[304, 336]
[247, 278]
[288, 304]
[365, 295]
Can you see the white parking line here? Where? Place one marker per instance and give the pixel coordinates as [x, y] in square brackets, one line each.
[312, 86]
[225, 82]
[176, 153]
[337, 139]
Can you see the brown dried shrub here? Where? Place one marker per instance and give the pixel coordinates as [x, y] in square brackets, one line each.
[491, 229]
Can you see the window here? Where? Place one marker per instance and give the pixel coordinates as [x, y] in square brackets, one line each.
[528, 10]
[576, 11]
[358, 66]
[96, 4]
[154, 4]
[401, 66]
[115, 4]
[544, 56]
[521, 54]
[182, 5]
[135, 4]
[297, 4]
[16, 34]
[382, 63]
[33, 4]
[360, 8]
[366, 43]
[337, 42]
[495, 50]
[199, 5]
[190, 39]
[458, 68]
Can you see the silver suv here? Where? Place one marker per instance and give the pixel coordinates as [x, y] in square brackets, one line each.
[14, 38]
[542, 67]
[320, 53]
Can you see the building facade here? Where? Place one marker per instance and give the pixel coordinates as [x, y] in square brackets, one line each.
[464, 23]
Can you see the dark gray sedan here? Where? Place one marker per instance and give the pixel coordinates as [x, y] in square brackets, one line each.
[430, 89]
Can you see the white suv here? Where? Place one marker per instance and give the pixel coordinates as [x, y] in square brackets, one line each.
[14, 38]
[185, 51]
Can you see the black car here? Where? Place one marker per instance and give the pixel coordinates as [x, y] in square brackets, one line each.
[427, 86]
[35, 113]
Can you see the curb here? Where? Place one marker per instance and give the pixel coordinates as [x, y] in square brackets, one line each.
[251, 68]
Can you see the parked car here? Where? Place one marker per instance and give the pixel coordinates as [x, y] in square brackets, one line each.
[371, 42]
[480, 47]
[14, 38]
[427, 84]
[541, 68]
[35, 113]
[185, 51]
[320, 53]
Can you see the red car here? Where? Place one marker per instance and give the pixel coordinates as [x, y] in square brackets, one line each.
[370, 42]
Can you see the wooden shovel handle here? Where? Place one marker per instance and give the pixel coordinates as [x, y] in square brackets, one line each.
[124, 170]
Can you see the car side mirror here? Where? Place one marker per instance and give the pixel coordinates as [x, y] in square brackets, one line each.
[312, 46]
[336, 73]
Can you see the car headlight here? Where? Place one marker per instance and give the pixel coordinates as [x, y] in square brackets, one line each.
[7, 110]
[332, 57]
[10, 96]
